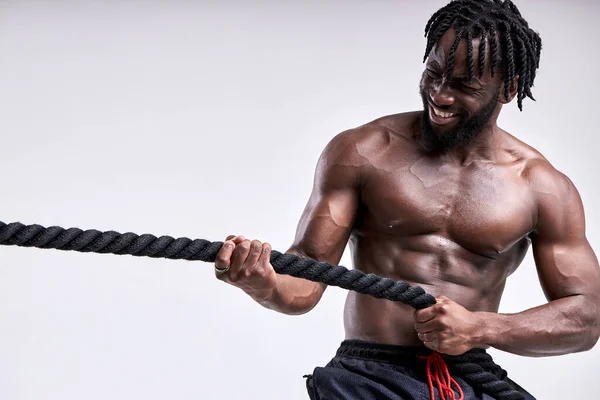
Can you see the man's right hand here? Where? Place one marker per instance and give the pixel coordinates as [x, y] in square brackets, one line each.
[246, 265]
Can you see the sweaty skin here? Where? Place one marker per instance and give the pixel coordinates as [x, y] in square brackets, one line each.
[455, 222]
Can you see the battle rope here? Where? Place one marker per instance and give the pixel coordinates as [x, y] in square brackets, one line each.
[476, 368]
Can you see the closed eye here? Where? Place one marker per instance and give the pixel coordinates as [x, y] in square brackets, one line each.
[433, 73]
[466, 86]
[460, 81]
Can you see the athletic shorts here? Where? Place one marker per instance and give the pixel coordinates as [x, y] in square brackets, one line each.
[365, 371]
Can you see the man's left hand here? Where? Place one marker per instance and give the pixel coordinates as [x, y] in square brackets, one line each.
[447, 327]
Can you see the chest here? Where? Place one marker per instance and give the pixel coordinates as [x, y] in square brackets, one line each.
[484, 208]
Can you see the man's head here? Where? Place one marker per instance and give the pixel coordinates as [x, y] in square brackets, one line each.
[480, 54]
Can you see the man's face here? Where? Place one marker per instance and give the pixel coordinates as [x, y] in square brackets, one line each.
[456, 110]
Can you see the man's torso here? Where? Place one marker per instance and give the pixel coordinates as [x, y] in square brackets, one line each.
[456, 229]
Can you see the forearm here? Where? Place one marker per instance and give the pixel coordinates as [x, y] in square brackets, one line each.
[292, 296]
[295, 296]
[563, 326]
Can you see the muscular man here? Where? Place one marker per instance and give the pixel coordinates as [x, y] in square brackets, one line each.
[445, 199]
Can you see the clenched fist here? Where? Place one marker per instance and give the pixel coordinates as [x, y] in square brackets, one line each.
[447, 327]
[246, 265]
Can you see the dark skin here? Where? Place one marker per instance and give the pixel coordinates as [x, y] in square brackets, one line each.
[456, 222]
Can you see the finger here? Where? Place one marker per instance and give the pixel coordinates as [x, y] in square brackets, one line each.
[223, 258]
[265, 256]
[237, 239]
[430, 340]
[434, 345]
[429, 326]
[428, 336]
[253, 256]
[264, 266]
[238, 258]
[425, 314]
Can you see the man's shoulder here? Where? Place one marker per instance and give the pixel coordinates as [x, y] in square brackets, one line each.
[373, 136]
[541, 175]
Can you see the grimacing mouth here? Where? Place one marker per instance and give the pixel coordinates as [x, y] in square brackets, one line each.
[443, 114]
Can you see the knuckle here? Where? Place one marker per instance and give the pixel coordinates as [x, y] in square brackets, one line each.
[242, 250]
[266, 253]
[246, 273]
[256, 247]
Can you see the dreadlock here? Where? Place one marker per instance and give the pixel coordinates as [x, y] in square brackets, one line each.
[508, 33]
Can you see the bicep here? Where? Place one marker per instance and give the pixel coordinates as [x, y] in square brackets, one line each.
[327, 220]
[565, 260]
[567, 269]
[325, 225]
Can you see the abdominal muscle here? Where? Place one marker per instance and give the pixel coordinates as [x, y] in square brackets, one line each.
[477, 285]
[381, 321]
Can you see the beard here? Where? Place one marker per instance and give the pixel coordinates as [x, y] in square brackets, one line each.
[463, 133]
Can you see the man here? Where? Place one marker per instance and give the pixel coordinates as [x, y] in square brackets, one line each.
[445, 199]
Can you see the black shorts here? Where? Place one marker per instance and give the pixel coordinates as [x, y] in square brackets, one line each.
[363, 370]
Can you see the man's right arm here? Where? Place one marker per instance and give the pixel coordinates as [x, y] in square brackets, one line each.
[322, 234]
[325, 225]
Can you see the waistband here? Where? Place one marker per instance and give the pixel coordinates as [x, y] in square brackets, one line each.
[410, 354]
[381, 352]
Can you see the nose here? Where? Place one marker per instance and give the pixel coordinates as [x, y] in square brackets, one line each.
[441, 95]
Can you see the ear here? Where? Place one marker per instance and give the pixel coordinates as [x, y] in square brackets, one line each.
[512, 92]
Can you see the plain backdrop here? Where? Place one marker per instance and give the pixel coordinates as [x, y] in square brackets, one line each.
[201, 119]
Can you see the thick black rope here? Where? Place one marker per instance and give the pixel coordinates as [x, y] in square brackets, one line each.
[477, 369]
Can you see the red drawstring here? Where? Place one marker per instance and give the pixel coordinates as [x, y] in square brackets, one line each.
[437, 372]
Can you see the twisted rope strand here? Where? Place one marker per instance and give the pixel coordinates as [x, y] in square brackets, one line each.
[476, 369]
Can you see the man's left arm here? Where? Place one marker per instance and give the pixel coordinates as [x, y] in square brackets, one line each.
[570, 277]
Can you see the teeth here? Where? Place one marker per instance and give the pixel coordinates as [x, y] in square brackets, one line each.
[442, 114]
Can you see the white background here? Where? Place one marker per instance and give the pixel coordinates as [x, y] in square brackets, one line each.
[201, 119]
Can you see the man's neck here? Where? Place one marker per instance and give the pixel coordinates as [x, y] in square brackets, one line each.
[483, 147]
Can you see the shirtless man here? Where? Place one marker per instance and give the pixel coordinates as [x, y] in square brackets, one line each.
[444, 199]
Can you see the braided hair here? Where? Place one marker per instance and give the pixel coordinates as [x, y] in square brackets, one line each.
[508, 34]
